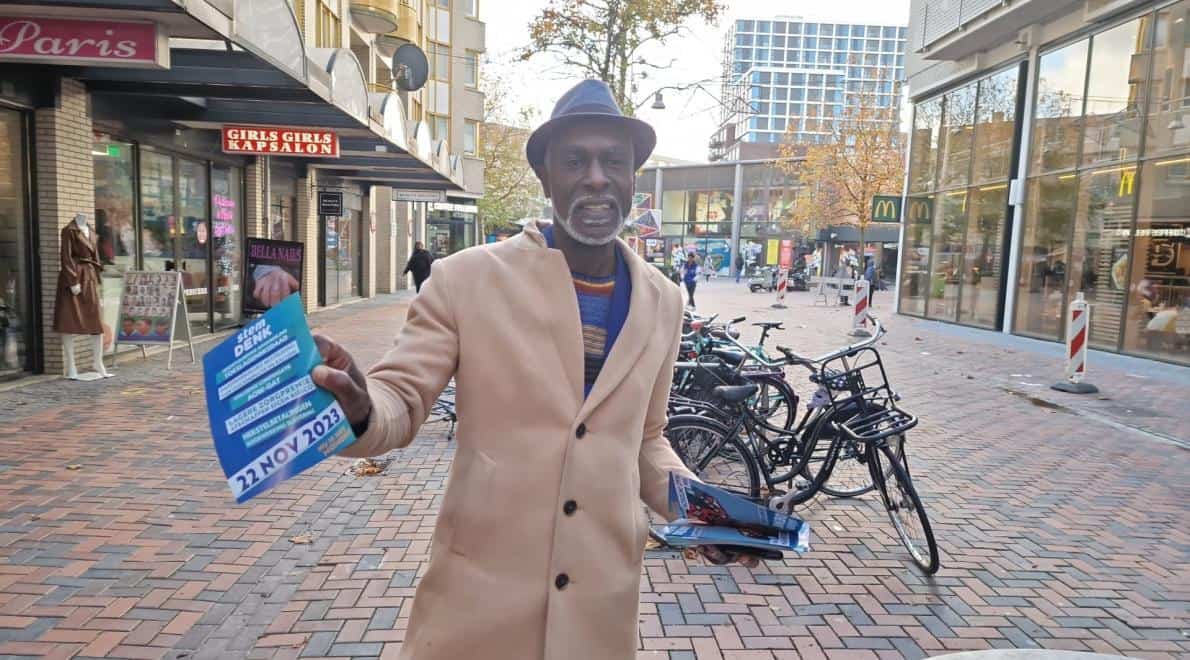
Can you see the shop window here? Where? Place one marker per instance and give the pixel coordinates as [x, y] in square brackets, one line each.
[157, 208]
[192, 237]
[1102, 229]
[16, 311]
[995, 125]
[1169, 97]
[915, 262]
[227, 222]
[1059, 107]
[923, 162]
[1044, 255]
[115, 217]
[673, 206]
[947, 252]
[979, 298]
[1158, 310]
[1115, 93]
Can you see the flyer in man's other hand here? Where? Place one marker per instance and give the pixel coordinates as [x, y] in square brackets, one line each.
[712, 516]
[269, 420]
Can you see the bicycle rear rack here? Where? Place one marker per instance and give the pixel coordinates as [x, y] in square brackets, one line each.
[884, 422]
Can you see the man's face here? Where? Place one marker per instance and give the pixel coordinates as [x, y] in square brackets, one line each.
[588, 175]
[417, 246]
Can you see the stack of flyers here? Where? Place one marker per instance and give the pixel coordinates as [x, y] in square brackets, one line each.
[712, 516]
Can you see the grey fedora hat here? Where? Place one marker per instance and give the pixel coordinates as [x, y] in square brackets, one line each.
[590, 99]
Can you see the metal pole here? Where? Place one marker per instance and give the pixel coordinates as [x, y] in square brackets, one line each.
[1018, 214]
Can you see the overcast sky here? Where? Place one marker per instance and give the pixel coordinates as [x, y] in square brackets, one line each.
[685, 126]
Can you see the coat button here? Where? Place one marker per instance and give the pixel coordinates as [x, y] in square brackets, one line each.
[562, 580]
[569, 507]
[580, 431]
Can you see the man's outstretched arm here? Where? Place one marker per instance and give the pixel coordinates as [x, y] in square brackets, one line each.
[396, 396]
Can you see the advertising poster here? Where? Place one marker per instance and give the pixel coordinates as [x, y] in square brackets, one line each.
[771, 252]
[147, 307]
[274, 272]
[268, 418]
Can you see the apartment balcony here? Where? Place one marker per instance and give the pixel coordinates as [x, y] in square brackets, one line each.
[473, 175]
[407, 31]
[375, 16]
[469, 33]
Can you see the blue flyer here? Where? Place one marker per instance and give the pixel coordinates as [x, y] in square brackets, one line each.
[269, 420]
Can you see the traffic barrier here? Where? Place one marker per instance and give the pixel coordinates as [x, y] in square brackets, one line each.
[782, 282]
[863, 300]
[1076, 348]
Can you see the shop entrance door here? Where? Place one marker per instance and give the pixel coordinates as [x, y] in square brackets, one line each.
[341, 258]
[16, 316]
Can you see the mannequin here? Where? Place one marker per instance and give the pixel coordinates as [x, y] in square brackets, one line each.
[77, 307]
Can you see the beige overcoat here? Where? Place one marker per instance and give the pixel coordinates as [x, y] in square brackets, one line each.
[538, 545]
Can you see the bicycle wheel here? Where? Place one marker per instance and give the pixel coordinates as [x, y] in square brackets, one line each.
[851, 476]
[711, 451]
[820, 452]
[904, 507]
[775, 402]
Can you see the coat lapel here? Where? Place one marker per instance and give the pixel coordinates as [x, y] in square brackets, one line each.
[634, 336]
[550, 272]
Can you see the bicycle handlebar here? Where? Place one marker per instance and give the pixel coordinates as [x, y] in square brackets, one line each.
[794, 358]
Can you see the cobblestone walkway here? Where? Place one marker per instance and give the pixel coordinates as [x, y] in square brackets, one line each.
[1062, 522]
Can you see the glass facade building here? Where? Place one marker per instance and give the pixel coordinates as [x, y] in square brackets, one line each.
[789, 74]
[1104, 209]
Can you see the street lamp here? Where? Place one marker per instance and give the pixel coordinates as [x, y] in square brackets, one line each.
[658, 102]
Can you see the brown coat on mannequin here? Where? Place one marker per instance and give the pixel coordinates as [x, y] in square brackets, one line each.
[78, 315]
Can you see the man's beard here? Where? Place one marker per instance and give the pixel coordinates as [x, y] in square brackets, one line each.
[567, 223]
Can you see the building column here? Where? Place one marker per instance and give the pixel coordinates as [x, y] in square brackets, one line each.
[65, 186]
[737, 213]
[386, 233]
[308, 235]
[368, 249]
[256, 224]
[402, 243]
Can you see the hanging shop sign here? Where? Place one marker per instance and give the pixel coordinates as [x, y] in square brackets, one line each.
[330, 202]
[280, 141]
[71, 42]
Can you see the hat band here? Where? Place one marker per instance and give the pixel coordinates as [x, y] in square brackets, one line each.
[597, 108]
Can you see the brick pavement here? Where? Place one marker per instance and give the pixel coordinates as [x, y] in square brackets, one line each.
[1059, 526]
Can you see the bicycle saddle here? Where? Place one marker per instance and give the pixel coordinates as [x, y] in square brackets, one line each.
[728, 355]
[770, 325]
[735, 393]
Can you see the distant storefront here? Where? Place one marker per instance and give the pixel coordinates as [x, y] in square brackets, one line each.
[1101, 152]
[451, 226]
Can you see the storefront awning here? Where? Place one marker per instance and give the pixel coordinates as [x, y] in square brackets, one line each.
[206, 89]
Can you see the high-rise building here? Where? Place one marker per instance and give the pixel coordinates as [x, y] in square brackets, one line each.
[788, 74]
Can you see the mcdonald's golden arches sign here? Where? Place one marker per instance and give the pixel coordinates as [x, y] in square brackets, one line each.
[886, 208]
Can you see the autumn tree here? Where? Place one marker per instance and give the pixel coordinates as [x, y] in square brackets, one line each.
[608, 39]
[511, 191]
[861, 155]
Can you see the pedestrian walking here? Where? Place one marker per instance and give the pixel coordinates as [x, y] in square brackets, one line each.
[690, 271]
[556, 446]
[419, 264]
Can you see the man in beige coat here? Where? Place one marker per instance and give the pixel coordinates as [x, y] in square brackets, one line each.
[561, 341]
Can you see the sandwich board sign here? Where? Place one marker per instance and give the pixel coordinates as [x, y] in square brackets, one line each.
[152, 305]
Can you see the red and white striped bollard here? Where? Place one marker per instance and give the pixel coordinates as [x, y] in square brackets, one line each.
[782, 283]
[1076, 348]
[863, 302]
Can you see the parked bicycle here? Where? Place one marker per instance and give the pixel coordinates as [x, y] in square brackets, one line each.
[854, 421]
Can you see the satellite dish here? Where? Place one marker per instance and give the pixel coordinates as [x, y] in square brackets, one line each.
[410, 68]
